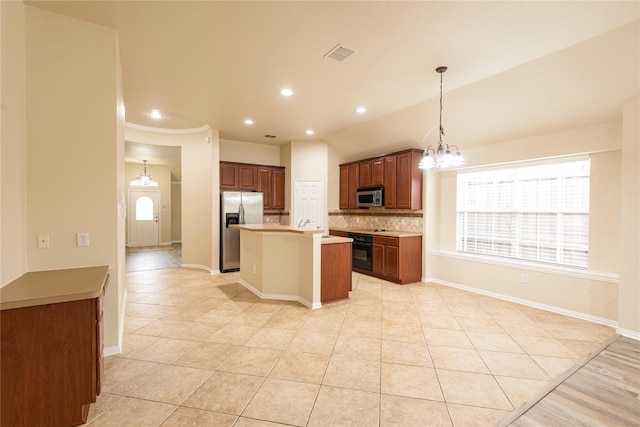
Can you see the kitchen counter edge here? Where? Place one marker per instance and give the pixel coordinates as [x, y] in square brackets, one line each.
[376, 233]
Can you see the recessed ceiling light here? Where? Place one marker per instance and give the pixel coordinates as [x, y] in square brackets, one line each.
[310, 132]
[361, 110]
[155, 114]
[286, 92]
[248, 122]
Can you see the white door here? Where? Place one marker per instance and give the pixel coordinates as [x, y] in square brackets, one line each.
[309, 204]
[144, 217]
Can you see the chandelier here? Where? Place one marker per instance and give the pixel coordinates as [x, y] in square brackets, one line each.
[144, 179]
[440, 157]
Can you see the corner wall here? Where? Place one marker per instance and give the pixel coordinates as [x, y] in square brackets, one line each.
[13, 151]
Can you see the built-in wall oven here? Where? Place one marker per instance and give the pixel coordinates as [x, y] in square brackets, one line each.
[362, 251]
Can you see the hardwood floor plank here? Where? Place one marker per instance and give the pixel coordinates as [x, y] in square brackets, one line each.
[602, 390]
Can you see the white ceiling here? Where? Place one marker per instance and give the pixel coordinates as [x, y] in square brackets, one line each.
[515, 68]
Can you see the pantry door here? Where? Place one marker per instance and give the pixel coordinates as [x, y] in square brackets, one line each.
[144, 217]
[309, 204]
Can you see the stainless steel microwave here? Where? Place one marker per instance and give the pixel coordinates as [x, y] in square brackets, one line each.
[370, 196]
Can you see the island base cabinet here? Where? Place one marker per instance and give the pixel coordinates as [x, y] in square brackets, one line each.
[335, 274]
[51, 362]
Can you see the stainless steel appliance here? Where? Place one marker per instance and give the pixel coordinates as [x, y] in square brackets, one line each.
[236, 207]
[362, 251]
[370, 196]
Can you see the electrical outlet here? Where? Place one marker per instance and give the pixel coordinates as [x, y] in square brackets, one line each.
[524, 279]
[43, 241]
[82, 239]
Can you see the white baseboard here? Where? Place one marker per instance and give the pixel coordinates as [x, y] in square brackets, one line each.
[629, 333]
[280, 297]
[550, 308]
[198, 266]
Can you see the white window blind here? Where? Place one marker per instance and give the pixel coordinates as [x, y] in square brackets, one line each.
[536, 213]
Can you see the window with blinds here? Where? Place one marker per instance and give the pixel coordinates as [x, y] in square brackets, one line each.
[534, 213]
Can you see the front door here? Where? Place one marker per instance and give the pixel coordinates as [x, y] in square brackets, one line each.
[144, 217]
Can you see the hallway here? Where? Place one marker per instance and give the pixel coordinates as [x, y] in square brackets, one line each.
[154, 257]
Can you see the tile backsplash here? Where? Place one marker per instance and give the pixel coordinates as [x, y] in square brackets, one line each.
[377, 218]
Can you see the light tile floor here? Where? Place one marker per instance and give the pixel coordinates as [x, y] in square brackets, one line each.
[201, 350]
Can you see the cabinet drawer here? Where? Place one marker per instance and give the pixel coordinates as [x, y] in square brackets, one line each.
[383, 240]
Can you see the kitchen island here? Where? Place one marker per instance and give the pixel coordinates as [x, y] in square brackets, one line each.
[285, 263]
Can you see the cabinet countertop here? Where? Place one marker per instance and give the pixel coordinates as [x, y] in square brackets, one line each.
[53, 286]
[388, 233]
[275, 228]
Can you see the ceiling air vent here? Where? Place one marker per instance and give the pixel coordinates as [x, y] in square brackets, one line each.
[269, 136]
[339, 53]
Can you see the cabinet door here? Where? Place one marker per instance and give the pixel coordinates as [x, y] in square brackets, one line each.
[377, 172]
[247, 177]
[354, 184]
[391, 261]
[409, 184]
[365, 174]
[390, 180]
[344, 187]
[277, 188]
[264, 185]
[228, 176]
[378, 258]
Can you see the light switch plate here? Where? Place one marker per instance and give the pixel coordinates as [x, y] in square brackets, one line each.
[82, 239]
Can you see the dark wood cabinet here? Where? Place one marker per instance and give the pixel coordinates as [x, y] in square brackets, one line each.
[397, 172]
[335, 271]
[277, 188]
[398, 259]
[377, 172]
[365, 174]
[265, 177]
[354, 184]
[409, 180]
[344, 187]
[228, 176]
[52, 347]
[389, 182]
[246, 177]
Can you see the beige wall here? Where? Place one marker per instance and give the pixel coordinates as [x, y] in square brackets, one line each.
[13, 180]
[593, 293]
[247, 152]
[73, 105]
[309, 162]
[163, 175]
[200, 190]
[629, 309]
[176, 212]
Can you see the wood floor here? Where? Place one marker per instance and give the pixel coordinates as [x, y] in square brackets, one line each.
[602, 390]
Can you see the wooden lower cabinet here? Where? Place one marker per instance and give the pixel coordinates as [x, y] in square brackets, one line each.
[51, 362]
[397, 259]
[335, 272]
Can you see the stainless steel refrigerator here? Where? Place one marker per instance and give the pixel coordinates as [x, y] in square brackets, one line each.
[236, 207]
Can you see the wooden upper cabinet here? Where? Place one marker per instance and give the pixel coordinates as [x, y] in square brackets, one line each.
[247, 177]
[277, 188]
[365, 174]
[389, 182]
[377, 171]
[354, 184]
[344, 187]
[397, 172]
[228, 176]
[264, 185]
[409, 180]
